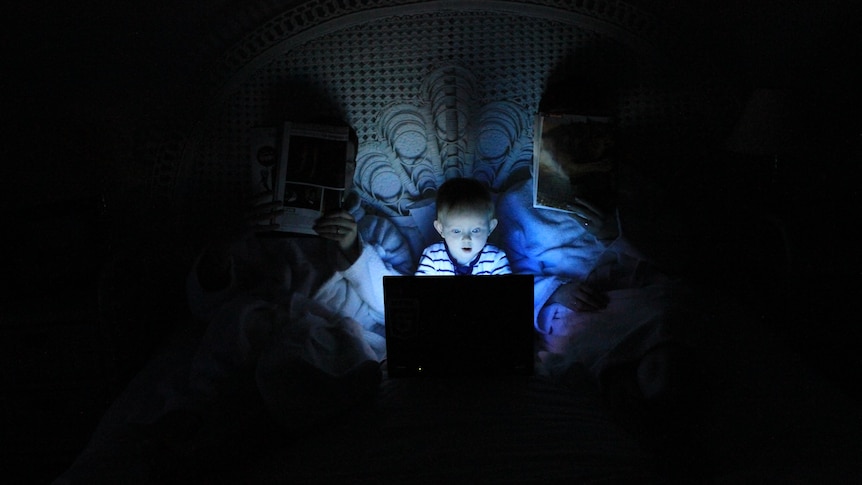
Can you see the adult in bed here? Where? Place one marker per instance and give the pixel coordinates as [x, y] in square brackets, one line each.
[600, 304]
[298, 318]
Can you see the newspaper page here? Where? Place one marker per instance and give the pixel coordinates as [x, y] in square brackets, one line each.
[306, 171]
[563, 168]
[263, 141]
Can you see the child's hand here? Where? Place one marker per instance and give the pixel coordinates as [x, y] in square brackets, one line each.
[582, 298]
[339, 227]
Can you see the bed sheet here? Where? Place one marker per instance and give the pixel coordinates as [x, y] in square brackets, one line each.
[765, 414]
[513, 429]
[468, 430]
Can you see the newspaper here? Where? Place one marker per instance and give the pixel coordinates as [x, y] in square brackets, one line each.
[568, 160]
[305, 168]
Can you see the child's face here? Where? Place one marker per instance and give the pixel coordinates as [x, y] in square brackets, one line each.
[465, 233]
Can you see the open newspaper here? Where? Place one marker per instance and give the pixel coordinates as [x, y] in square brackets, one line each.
[305, 167]
[569, 160]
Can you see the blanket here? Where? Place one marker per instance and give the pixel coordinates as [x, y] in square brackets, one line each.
[553, 246]
[765, 410]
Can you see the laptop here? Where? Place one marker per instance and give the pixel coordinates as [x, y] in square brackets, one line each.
[459, 325]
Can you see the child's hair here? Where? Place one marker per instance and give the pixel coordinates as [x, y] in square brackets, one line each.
[464, 194]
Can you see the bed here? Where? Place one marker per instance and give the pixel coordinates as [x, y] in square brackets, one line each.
[433, 92]
[763, 416]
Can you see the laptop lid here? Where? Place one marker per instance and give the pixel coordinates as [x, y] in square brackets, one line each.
[459, 325]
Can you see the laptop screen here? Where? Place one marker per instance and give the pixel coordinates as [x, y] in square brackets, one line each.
[459, 325]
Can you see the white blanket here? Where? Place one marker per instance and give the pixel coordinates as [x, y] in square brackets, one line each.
[554, 247]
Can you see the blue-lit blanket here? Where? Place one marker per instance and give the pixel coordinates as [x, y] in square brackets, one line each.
[557, 249]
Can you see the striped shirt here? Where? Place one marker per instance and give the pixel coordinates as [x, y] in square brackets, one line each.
[436, 260]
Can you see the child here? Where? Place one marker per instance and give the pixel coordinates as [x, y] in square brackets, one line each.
[465, 219]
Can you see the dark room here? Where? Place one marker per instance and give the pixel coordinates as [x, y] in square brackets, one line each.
[403, 241]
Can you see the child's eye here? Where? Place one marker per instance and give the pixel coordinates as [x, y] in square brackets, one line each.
[456, 231]
[477, 230]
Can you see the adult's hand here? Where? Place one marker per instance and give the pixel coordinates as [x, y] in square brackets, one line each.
[580, 297]
[597, 222]
[262, 213]
[340, 227]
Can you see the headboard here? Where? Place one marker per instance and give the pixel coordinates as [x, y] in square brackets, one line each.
[433, 89]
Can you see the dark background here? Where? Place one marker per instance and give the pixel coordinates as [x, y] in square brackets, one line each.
[82, 78]
[77, 70]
